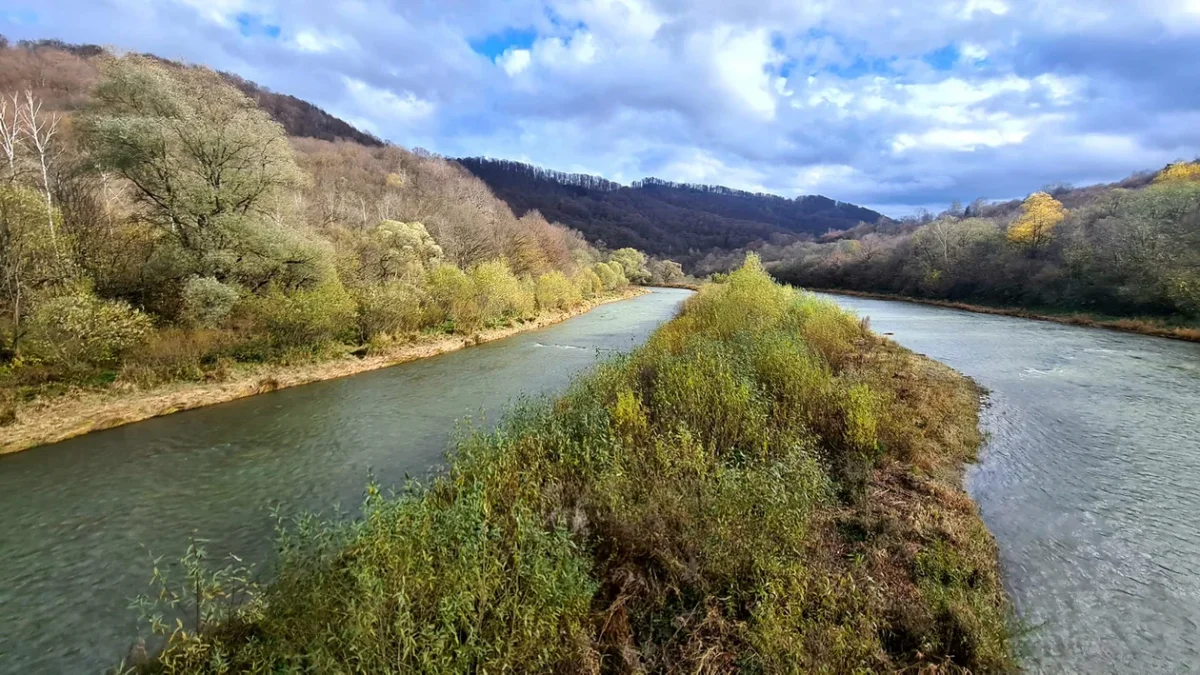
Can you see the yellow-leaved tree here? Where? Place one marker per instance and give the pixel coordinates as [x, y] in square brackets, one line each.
[1040, 214]
[1179, 171]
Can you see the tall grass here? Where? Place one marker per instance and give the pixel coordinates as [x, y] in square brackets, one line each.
[765, 486]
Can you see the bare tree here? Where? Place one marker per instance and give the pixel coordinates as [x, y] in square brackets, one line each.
[10, 131]
[39, 131]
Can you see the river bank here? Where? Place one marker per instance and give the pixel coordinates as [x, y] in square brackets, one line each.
[1140, 326]
[44, 421]
[764, 486]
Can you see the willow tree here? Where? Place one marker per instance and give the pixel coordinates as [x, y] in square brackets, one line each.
[1040, 214]
[203, 159]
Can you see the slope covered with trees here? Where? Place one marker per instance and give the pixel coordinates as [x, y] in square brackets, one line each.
[678, 220]
[157, 225]
[1125, 250]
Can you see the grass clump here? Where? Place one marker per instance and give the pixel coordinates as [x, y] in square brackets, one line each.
[765, 486]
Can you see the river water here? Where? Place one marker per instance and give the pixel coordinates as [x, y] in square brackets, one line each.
[74, 516]
[1090, 481]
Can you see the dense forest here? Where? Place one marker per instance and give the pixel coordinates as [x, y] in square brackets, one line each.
[681, 221]
[1126, 249]
[157, 224]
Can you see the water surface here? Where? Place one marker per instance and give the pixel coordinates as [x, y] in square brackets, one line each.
[74, 516]
[1090, 481]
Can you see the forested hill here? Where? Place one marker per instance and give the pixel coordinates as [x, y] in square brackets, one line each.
[63, 69]
[661, 217]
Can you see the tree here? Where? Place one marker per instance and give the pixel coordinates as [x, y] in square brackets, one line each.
[398, 251]
[1040, 214]
[27, 260]
[633, 263]
[1179, 171]
[203, 159]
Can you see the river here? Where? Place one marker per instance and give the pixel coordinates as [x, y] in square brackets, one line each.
[1090, 481]
[74, 516]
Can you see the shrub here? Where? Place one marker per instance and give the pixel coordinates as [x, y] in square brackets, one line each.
[499, 293]
[302, 319]
[555, 291]
[452, 299]
[390, 309]
[80, 328]
[206, 302]
[611, 275]
[589, 283]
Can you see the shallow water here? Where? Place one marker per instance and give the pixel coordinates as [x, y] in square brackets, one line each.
[74, 516]
[1090, 481]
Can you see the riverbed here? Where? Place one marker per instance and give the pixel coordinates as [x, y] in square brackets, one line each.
[75, 516]
[1090, 481]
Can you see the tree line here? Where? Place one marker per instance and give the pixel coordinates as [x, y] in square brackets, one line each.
[683, 221]
[1130, 249]
[156, 224]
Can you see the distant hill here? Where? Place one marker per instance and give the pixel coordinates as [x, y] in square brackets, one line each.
[678, 220]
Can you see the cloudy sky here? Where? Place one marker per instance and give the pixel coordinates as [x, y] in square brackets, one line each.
[855, 99]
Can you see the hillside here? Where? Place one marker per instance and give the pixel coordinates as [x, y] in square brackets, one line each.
[679, 220]
[1129, 249]
[60, 73]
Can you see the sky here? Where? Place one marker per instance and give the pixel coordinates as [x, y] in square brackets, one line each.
[897, 106]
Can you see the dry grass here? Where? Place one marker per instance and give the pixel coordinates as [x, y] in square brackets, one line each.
[57, 418]
[1143, 326]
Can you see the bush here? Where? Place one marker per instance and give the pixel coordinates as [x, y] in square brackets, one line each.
[500, 295]
[452, 299]
[555, 291]
[80, 329]
[588, 283]
[302, 319]
[611, 275]
[390, 309]
[206, 302]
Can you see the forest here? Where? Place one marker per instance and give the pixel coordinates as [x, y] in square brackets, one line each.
[1130, 249]
[157, 225]
[681, 221]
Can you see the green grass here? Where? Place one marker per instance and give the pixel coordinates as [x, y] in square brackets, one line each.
[765, 486]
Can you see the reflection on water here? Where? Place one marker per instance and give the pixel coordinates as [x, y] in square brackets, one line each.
[73, 516]
[1090, 481]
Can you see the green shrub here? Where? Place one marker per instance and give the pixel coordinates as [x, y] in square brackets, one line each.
[555, 291]
[611, 275]
[390, 309]
[452, 299]
[589, 283]
[206, 302]
[83, 329]
[302, 319]
[499, 294]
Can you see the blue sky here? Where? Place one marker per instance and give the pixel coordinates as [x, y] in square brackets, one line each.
[862, 100]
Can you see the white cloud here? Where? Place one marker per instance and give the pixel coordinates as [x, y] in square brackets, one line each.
[514, 61]
[387, 105]
[316, 42]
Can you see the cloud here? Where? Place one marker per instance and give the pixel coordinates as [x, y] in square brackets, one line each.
[867, 101]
